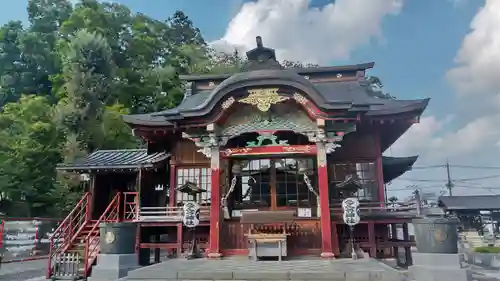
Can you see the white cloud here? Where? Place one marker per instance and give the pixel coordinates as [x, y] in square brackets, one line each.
[476, 142]
[299, 32]
[479, 57]
[477, 82]
[332, 32]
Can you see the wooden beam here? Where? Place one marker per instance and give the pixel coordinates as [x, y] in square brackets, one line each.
[270, 150]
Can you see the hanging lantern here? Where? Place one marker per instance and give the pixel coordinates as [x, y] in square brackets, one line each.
[236, 168]
[302, 166]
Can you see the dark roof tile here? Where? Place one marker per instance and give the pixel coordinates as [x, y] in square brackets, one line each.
[394, 167]
[470, 203]
[116, 159]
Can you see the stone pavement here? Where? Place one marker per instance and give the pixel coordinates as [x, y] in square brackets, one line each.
[243, 269]
[21, 271]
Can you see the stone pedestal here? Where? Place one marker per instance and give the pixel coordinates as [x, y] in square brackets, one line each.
[436, 234]
[439, 267]
[111, 267]
[117, 252]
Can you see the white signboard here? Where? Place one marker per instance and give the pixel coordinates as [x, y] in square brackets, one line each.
[191, 214]
[304, 212]
[350, 206]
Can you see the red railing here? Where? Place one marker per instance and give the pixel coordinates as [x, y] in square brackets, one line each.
[69, 228]
[131, 206]
[92, 241]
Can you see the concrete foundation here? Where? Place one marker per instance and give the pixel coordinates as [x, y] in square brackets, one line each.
[243, 269]
[439, 267]
[111, 267]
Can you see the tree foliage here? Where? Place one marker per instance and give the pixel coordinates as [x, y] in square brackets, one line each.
[68, 76]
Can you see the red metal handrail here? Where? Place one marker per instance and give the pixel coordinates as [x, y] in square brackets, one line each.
[71, 225]
[131, 206]
[92, 241]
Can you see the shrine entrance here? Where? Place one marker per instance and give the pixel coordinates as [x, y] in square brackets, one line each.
[277, 184]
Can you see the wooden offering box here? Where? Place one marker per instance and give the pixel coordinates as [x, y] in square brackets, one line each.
[267, 236]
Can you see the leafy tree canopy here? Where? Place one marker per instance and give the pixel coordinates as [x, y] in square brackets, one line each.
[68, 76]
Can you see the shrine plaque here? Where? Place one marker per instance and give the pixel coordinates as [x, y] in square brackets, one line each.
[304, 212]
[191, 214]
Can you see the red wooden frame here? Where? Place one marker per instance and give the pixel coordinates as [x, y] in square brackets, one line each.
[277, 150]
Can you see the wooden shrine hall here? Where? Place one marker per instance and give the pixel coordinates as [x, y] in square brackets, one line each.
[270, 151]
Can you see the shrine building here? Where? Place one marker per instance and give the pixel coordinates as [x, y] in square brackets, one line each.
[267, 150]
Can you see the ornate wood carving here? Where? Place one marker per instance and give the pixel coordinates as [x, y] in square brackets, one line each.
[300, 98]
[260, 141]
[263, 98]
[330, 140]
[285, 117]
[276, 150]
[228, 102]
[202, 142]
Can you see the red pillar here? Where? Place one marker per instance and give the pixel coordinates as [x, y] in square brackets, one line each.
[172, 183]
[326, 227]
[380, 173]
[215, 205]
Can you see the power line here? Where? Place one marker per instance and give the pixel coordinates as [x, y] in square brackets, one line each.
[476, 167]
[478, 178]
[427, 167]
[455, 166]
[452, 180]
[449, 183]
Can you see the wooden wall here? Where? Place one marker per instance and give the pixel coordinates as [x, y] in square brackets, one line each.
[185, 152]
[305, 236]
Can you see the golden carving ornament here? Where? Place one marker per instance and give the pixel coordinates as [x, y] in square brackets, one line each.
[303, 149]
[263, 98]
[440, 235]
[299, 98]
[109, 237]
[227, 103]
[231, 151]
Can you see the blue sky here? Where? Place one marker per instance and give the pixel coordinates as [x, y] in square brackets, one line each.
[414, 43]
[419, 44]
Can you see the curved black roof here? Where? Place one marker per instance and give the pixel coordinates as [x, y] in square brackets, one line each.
[262, 69]
[394, 167]
[345, 95]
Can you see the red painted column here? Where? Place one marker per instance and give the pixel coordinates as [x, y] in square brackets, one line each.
[215, 199]
[380, 172]
[326, 227]
[172, 183]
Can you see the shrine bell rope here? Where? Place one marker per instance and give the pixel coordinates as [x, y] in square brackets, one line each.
[224, 199]
[311, 189]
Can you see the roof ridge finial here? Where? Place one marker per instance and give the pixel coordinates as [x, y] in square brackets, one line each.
[261, 57]
[258, 39]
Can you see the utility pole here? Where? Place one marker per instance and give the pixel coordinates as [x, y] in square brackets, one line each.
[418, 201]
[449, 184]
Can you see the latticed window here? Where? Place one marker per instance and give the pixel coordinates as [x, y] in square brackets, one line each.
[291, 188]
[265, 180]
[353, 180]
[256, 180]
[199, 176]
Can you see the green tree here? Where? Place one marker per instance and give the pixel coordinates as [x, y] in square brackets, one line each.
[30, 148]
[89, 73]
[11, 64]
